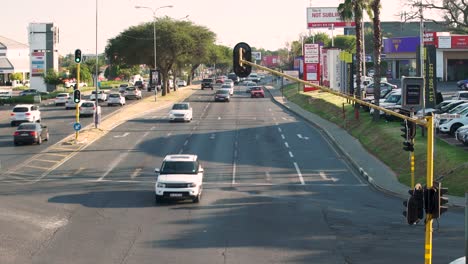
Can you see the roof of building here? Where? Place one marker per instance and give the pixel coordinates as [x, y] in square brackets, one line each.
[393, 29]
[9, 43]
[5, 64]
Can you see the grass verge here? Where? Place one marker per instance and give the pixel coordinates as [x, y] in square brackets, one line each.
[383, 140]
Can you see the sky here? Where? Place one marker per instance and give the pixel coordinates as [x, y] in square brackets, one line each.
[261, 23]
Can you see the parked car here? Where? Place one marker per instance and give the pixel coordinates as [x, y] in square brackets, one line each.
[87, 108]
[462, 84]
[460, 95]
[451, 125]
[207, 83]
[32, 92]
[383, 85]
[181, 83]
[102, 96]
[132, 92]
[181, 112]
[257, 91]
[222, 95]
[30, 133]
[370, 98]
[229, 87]
[436, 108]
[391, 101]
[462, 134]
[115, 99]
[61, 98]
[6, 94]
[25, 113]
[180, 177]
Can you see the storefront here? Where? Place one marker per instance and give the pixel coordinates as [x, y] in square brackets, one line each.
[14, 58]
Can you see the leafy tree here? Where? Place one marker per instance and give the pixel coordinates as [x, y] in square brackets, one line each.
[346, 43]
[376, 6]
[85, 75]
[66, 61]
[52, 77]
[16, 76]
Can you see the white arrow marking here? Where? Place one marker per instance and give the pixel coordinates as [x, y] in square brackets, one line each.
[121, 136]
[299, 135]
[212, 136]
[325, 178]
[306, 138]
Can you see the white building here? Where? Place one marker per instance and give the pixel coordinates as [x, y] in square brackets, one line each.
[43, 38]
[14, 57]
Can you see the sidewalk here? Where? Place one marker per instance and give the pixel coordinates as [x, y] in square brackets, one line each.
[375, 172]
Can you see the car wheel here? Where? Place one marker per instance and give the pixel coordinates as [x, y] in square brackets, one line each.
[454, 128]
[38, 121]
[197, 199]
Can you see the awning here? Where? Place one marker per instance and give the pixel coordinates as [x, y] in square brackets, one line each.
[6, 66]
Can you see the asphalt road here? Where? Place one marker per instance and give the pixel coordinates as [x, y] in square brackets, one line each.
[58, 120]
[275, 191]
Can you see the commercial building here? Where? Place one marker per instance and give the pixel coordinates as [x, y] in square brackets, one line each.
[14, 58]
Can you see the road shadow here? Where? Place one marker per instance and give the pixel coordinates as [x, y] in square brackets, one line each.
[109, 199]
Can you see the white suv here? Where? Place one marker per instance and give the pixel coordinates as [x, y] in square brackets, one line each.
[25, 113]
[180, 177]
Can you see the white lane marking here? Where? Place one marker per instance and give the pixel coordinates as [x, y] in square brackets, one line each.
[284, 118]
[153, 128]
[269, 109]
[169, 134]
[44, 160]
[274, 118]
[186, 142]
[78, 171]
[219, 118]
[299, 173]
[123, 135]
[282, 136]
[36, 167]
[234, 167]
[306, 138]
[119, 159]
[56, 154]
[325, 178]
[291, 155]
[220, 183]
[29, 218]
[267, 176]
[136, 173]
[286, 144]
[299, 135]
[279, 129]
[212, 136]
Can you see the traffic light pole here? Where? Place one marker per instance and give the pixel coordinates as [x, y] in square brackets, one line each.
[429, 183]
[77, 110]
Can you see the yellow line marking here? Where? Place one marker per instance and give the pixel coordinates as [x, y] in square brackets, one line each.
[67, 149]
[44, 160]
[56, 154]
[36, 167]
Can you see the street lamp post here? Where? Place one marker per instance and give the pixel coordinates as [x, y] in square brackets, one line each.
[154, 36]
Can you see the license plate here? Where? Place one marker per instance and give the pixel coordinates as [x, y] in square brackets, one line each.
[175, 195]
[25, 134]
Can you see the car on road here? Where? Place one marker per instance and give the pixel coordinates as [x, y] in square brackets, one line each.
[257, 91]
[102, 96]
[142, 85]
[132, 92]
[207, 83]
[229, 82]
[222, 95]
[180, 177]
[87, 108]
[122, 87]
[72, 84]
[462, 84]
[70, 104]
[25, 113]
[228, 87]
[181, 112]
[249, 86]
[61, 98]
[32, 92]
[254, 77]
[181, 83]
[115, 99]
[232, 76]
[30, 133]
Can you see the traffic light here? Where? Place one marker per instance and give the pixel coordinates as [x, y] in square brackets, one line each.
[76, 96]
[414, 206]
[242, 51]
[409, 132]
[78, 56]
[439, 200]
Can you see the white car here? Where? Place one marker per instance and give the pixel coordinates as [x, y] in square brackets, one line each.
[393, 99]
[6, 94]
[181, 83]
[228, 87]
[87, 108]
[70, 104]
[62, 98]
[451, 125]
[181, 112]
[25, 113]
[180, 177]
[230, 82]
[115, 99]
[73, 84]
[132, 92]
[102, 96]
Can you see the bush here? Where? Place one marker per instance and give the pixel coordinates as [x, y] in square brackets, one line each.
[29, 99]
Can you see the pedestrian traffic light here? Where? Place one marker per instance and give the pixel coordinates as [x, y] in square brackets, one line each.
[408, 146]
[408, 129]
[242, 51]
[414, 206]
[439, 200]
[78, 56]
[76, 96]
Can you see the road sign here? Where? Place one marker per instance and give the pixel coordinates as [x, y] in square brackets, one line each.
[77, 126]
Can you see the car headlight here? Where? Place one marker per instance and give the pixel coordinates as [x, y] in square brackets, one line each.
[161, 185]
[191, 185]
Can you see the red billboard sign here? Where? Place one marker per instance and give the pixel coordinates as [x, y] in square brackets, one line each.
[459, 42]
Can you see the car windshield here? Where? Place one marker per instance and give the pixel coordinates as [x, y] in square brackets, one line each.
[393, 98]
[225, 86]
[114, 95]
[179, 167]
[180, 107]
[20, 109]
[251, 84]
[441, 105]
[451, 106]
[222, 91]
[130, 89]
[27, 127]
[256, 88]
[463, 95]
[458, 108]
[87, 105]
[207, 80]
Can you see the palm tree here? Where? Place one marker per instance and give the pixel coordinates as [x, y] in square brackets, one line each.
[376, 6]
[347, 10]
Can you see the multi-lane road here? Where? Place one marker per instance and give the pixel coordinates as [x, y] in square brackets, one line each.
[275, 191]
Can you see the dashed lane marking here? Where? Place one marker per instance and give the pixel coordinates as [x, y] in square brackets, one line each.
[136, 173]
[301, 179]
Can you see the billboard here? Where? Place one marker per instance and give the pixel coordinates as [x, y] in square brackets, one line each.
[37, 64]
[459, 42]
[256, 55]
[319, 17]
